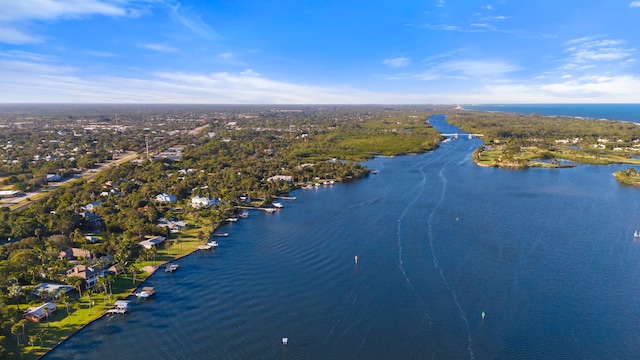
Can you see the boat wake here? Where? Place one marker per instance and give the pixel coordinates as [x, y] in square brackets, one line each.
[438, 156]
[436, 264]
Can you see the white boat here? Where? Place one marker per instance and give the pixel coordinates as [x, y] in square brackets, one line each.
[270, 210]
[231, 219]
[204, 247]
[171, 267]
[278, 205]
[636, 234]
[212, 244]
[244, 214]
[221, 234]
[146, 292]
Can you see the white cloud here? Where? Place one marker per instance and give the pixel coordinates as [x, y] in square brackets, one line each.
[32, 81]
[635, 4]
[158, 47]
[397, 62]
[41, 83]
[587, 52]
[440, 3]
[14, 36]
[192, 21]
[468, 69]
[17, 14]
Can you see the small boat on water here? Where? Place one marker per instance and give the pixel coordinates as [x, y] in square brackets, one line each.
[636, 234]
[270, 210]
[278, 205]
[221, 234]
[146, 292]
[171, 268]
[244, 214]
[204, 247]
[212, 244]
[231, 219]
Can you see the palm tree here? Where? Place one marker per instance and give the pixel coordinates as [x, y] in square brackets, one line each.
[41, 335]
[46, 313]
[133, 271]
[15, 330]
[89, 293]
[110, 279]
[102, 283]
[64, 299]
[76, 282]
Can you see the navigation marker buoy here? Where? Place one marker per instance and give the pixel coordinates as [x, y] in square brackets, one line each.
[483, 314]
[285, 341]
[356, 258]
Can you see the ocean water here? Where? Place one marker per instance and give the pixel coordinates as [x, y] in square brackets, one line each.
[548, 255]
[622, 112]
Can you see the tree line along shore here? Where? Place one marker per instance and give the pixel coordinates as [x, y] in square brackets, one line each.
[196, 167]
[520, 141]
[224, 157]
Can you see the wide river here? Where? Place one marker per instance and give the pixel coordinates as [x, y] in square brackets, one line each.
[548, 255]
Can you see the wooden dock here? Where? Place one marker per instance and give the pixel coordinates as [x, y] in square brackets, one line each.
[285, 197]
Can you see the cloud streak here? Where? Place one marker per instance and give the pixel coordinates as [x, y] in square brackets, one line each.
[16, 16]
[42, 82]
[158, 47]
[587, 52]
[397, 62]
[192, 21]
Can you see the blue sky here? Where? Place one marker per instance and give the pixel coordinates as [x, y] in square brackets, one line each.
[319, 51]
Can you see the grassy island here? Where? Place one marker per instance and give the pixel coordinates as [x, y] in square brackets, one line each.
[520, 141]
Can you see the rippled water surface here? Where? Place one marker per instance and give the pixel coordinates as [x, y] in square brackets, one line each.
[548, 255]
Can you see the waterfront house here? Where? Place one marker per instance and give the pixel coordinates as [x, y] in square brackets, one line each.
[173, 225]
[74, 253]
[90, 274]
[50, 290]
[150, 243]
[36, 314]
[203, 202]
[281, 178]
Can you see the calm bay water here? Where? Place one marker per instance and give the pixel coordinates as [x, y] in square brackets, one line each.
[622, 112]
[549, 255]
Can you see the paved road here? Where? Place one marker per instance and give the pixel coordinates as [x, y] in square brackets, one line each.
[87, 175]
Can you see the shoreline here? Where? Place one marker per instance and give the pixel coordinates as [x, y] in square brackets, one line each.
[139, 285]
[131, 293]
